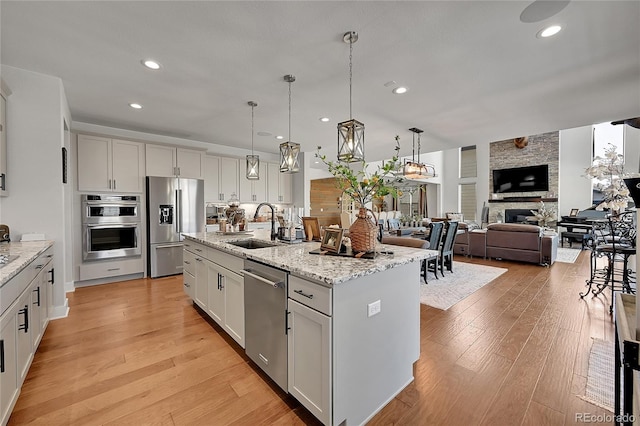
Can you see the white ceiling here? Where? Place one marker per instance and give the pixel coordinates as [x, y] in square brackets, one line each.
[475, 71]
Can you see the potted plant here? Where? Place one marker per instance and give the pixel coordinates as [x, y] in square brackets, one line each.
[609, 171]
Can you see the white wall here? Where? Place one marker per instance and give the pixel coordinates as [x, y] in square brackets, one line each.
[631, 137]
[574, 189]
[36, 111]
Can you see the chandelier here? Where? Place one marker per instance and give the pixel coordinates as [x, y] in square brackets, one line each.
[415, 170]
[350, 132]
[289, 151]
[253, 161]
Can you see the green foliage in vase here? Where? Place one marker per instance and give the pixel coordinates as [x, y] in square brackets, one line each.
[360, 185]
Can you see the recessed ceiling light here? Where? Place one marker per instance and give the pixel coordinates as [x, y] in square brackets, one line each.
[549, 31]
[135, 106]
[279, 137]
[151, 64]
[324, 119]
[264, 134]
[400, 90]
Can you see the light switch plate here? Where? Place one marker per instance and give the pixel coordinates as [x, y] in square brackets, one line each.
[373, 308]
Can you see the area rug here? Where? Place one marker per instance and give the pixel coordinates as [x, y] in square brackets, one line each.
[567, 255]
[466, 278]
[600, 377]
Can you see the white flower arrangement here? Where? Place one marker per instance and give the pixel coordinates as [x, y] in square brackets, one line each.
[544, 215]
[610, 171]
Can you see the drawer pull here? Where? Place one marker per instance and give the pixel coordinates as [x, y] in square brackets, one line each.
[39, 266]
[113, 269]
[187, 262]
[302, 293]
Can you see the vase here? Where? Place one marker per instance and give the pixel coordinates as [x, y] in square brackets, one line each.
[363, 231]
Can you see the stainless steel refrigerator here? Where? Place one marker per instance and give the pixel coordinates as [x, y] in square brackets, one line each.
[174, 206]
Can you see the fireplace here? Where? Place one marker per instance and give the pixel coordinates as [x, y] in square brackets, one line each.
[519, 216]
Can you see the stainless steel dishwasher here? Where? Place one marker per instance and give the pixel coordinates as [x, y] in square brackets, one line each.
[265, 298]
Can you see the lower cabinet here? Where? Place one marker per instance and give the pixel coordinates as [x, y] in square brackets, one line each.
[22, 326]
[9, 388]
[309, 364]
[219, 290]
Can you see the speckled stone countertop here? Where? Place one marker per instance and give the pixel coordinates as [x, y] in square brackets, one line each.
[27, 252]
[296, 259]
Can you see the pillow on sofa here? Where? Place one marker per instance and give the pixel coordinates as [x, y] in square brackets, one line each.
[455, 216]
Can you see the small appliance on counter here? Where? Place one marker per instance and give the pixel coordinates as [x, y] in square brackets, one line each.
[4, 233]
[290, 235]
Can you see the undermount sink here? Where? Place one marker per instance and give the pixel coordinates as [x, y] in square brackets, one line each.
[252, 244]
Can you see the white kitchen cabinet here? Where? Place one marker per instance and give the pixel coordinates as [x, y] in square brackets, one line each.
[220, 178]
[22, 324]
[279, 185]
[222, 294]
[110, 165]
[24, 348]
[169, 161]
[253, 191]
[4, 94]
[9, 388]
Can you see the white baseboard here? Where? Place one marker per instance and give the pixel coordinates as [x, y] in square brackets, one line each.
[69, 287]
[60, 311]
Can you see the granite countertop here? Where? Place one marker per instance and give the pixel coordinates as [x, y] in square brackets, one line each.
[296, 259]
[27, 252]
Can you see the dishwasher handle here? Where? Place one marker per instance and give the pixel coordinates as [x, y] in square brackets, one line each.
[278, 284]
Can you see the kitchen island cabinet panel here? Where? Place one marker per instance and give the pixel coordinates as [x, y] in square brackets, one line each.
[309, 359]
[9, 388]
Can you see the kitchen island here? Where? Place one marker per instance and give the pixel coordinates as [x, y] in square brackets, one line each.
[352, 324]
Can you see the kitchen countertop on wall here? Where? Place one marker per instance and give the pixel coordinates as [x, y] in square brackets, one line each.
[295, 258]
[26, 253]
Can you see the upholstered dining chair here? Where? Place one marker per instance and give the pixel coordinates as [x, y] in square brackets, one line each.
[435, 240]
[410, 242]
[446, 250]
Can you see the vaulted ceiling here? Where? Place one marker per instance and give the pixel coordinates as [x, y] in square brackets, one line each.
[475, 70]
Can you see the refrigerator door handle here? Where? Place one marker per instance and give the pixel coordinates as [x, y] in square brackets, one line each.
[179, 213]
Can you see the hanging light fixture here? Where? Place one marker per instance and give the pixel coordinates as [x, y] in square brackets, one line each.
[350, 132]
[415, 170]
[289, 151]
[253, 161]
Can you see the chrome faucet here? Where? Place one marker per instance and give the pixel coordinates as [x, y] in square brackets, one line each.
[273, 218]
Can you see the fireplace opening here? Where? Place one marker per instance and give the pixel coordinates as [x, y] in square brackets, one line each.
[520, 216]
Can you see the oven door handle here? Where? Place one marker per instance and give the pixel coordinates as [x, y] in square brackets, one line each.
[278, 284]
[112, 225]
[112, 204]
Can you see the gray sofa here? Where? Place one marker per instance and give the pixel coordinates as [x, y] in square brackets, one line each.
[519, 242]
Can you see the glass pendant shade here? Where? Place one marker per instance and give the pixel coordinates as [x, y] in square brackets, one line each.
[253, 161]
[350, 141]
[253, 167]
[415, 170]
[289, 152]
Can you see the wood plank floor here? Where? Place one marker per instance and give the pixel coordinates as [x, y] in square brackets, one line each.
[137, 352]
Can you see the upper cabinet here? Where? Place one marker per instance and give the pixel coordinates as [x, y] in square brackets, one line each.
[110, 165]
[170, 161]
[253, 191]
[220, 178]
[4, 94]
[279, 185]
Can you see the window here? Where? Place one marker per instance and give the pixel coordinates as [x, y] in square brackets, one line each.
[468, 165]
[468, 201]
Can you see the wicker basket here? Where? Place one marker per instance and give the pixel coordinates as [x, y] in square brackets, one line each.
[363, 232]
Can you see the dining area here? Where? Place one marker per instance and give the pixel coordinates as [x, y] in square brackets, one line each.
[437, 237]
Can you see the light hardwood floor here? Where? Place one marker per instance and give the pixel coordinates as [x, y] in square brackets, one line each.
[137, 352]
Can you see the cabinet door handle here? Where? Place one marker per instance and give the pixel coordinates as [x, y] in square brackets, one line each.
[286, 322]
[109, 183]
[186, 285]
[3, 179]
[114, 184]
[52, 280]
[37, 290]
[1, 356]
[221, 281]
[25, 325]
[302, 293]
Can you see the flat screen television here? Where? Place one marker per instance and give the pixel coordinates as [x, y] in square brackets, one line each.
[521, 179]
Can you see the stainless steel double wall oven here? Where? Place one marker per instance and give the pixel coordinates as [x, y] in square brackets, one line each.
[111, 226]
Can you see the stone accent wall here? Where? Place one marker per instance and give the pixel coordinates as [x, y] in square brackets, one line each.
[542, 149]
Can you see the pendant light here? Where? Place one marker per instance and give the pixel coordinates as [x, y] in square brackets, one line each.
[415, 170]
[350, 132]
[253, 161]
[289, 151]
